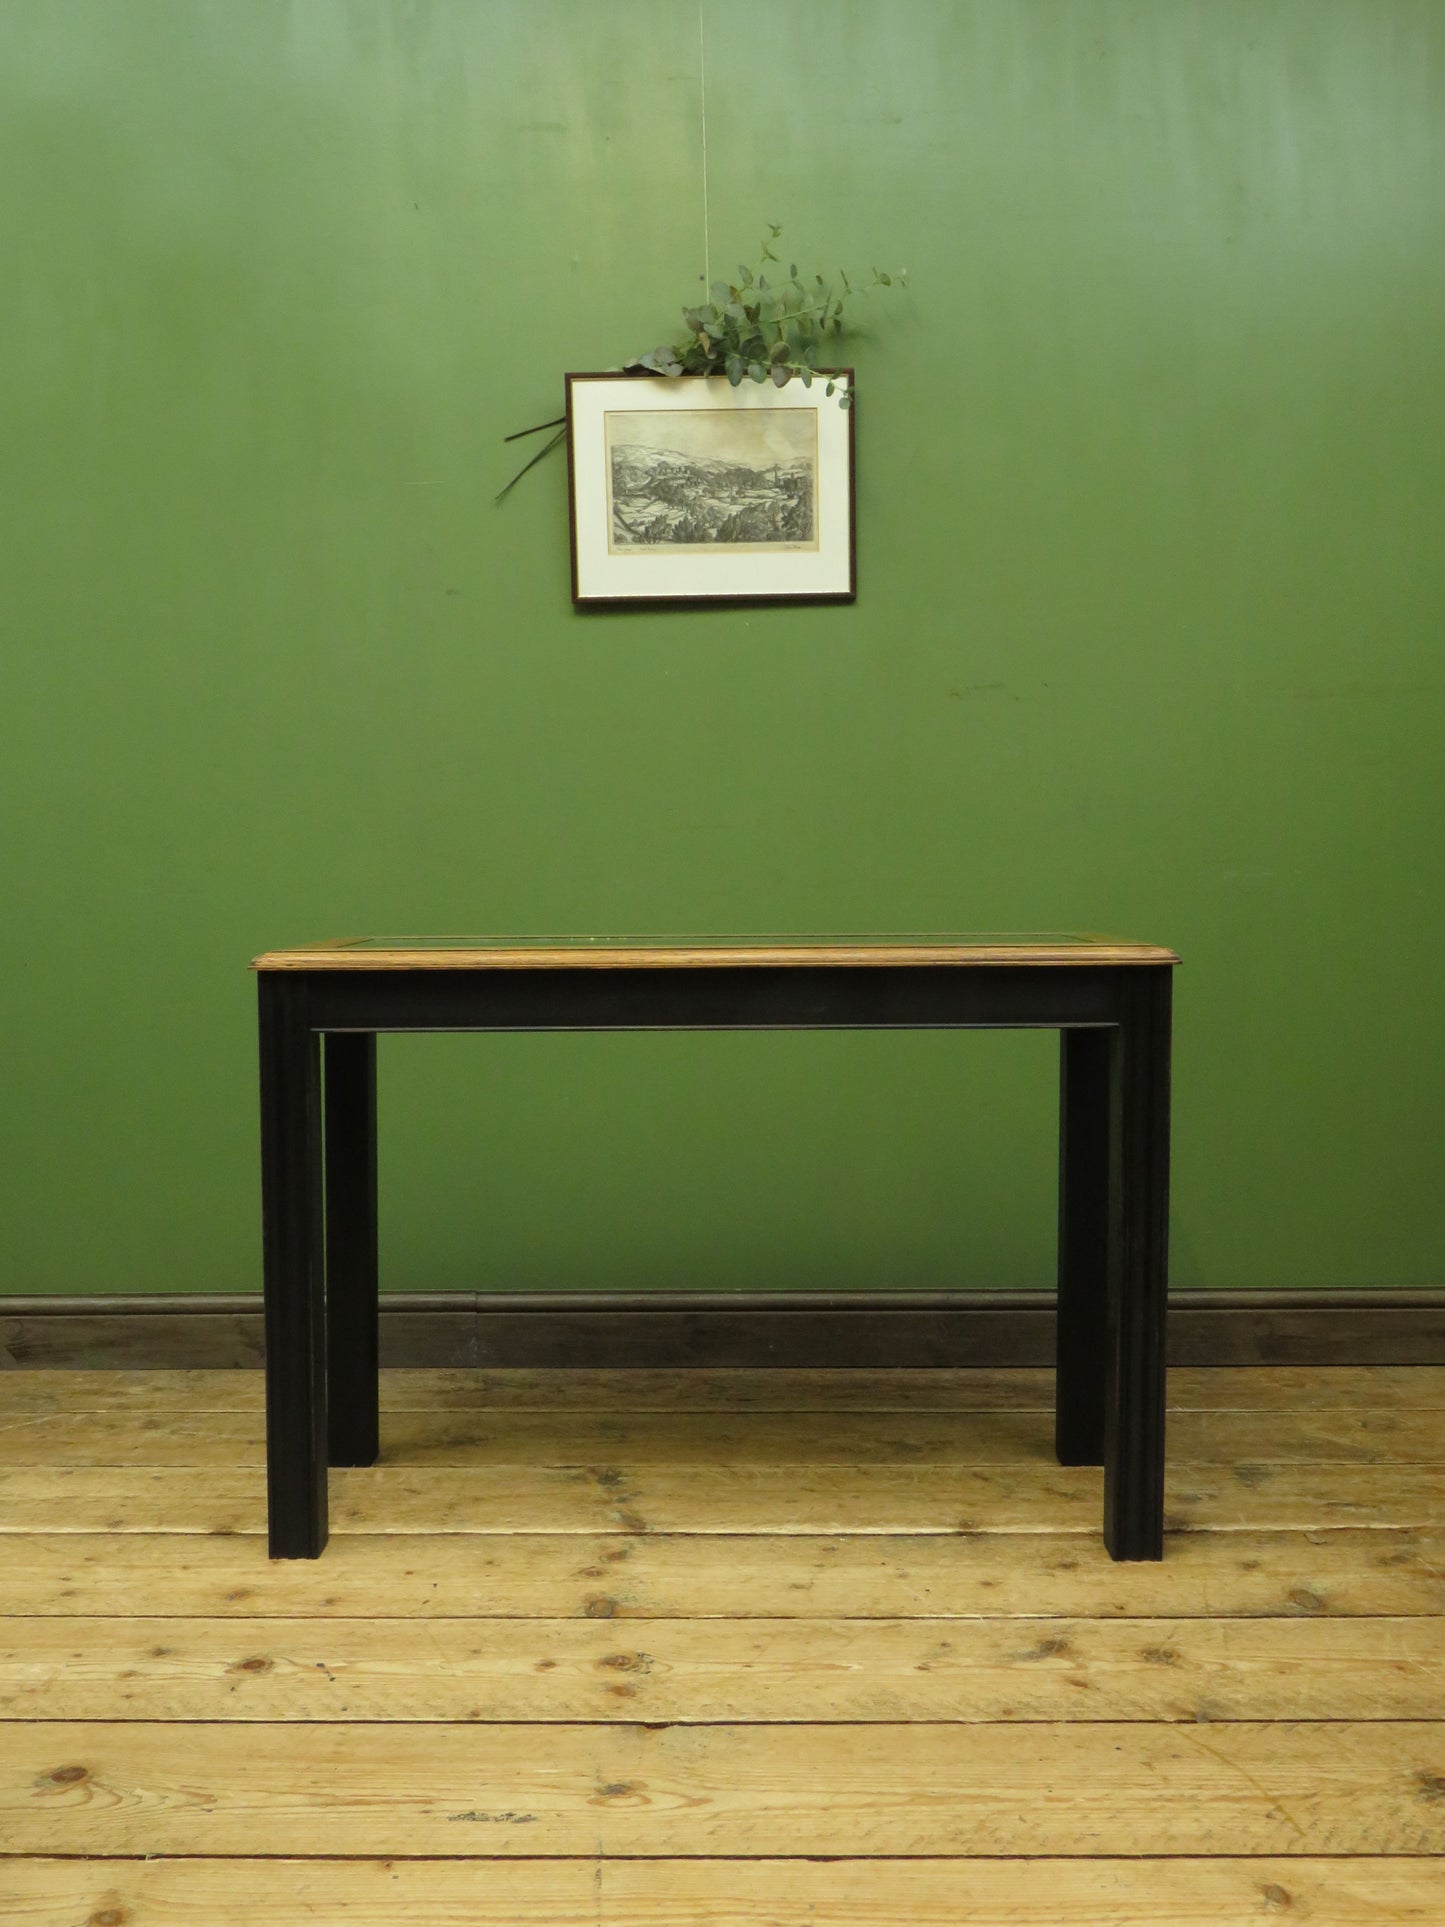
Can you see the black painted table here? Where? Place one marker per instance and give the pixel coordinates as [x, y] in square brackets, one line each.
[1110, 1002]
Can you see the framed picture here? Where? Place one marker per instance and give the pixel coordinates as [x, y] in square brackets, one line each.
[686, 489]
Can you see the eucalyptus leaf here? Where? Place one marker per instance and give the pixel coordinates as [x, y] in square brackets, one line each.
[755, 329]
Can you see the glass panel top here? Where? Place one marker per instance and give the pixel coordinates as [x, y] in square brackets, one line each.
[701, 941]
[731, 950]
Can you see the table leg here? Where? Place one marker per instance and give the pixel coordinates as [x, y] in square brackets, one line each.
[291, 1246]
[1083, 1316]
[351, 1278]
[1134, 1424]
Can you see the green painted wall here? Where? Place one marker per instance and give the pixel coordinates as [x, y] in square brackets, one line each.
[1152, 465]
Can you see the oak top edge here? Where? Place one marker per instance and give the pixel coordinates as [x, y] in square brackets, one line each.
[542, 953]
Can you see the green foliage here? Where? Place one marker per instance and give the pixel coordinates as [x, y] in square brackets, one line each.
[755, 329]
[752, 329]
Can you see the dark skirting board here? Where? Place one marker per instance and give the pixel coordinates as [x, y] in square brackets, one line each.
[859, 1329]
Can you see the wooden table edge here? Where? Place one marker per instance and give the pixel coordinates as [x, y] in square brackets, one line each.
[621, 956]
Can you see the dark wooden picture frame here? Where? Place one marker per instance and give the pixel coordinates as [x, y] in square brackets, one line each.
[773, 467]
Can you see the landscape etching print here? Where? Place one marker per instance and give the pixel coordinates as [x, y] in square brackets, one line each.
[693, 479]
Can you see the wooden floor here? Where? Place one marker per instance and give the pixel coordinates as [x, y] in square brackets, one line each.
[746, 1649]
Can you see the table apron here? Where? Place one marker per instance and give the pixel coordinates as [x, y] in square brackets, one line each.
[757, 997]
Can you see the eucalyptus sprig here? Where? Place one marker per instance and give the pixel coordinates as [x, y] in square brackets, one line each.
[751, 329]
[754, 329]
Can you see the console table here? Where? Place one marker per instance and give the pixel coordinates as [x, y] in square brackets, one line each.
[1110, 1002]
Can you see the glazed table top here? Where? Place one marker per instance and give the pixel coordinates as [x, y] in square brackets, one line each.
[1051, 948]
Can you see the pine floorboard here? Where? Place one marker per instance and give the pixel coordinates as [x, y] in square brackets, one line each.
[660, 1648]
[460, 1438]
[601, 1892]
